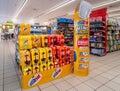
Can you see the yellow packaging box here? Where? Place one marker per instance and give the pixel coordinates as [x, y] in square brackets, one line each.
[35, 57]
[36, 41]
[43, 67]
[26, 70]
[42, 53]
[24, 42]
[24, 29]
[44, 40]
[36, 69]
[25, 58]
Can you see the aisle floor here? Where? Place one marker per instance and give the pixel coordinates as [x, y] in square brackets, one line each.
[104, 74]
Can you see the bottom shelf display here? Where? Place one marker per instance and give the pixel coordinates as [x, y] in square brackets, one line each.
[97, 51]
[36, 79]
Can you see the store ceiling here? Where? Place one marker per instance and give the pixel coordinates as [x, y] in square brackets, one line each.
[37, 9]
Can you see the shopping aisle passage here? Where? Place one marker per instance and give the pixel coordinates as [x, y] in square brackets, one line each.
[104, 74]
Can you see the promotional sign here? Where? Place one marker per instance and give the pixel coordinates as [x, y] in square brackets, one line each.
[81, 39]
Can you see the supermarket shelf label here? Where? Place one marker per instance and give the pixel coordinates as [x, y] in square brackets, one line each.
[83, 42]
[83, 66]
[56, 73]
[35, 79]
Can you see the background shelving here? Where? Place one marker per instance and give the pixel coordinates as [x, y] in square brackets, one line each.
[113, 35]
[66, 27]
[98, 32]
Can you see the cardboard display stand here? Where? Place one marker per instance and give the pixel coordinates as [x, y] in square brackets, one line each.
[33, 80]
[81, 39]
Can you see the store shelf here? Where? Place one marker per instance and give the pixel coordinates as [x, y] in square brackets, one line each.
[97, 41]
[97, 47]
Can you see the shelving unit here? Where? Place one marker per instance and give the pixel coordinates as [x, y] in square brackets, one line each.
[98, 32]
[113, 35]
[66, 27]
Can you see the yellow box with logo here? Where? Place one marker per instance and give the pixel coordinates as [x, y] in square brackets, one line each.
[35, 56]
[43, 57]
[25, 59]
[44, 40]
[24, 42]
[36, 69]
[25, 29]
[49, 56]
[26, 70]
[36, 40]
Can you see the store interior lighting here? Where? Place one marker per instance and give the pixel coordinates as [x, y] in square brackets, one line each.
[23, 5]
[105, 4]
[66, 2]
[113, 10]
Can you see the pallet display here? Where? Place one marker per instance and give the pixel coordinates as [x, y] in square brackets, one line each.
[42, 58]
[66, 27]
[98, 32]
[113, 35]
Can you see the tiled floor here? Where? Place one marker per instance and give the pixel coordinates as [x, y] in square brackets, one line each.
[104, 74]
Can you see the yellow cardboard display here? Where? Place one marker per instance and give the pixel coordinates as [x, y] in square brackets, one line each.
[81, 45]
[39, 78]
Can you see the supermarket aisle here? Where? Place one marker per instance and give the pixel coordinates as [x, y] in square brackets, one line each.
[104, 74]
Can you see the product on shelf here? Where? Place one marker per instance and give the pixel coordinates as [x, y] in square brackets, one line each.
[98, 32]
[36, 41]
[44, 40]
[25, 59]
[24, 29]
[24, 42]
[66, 26]
[113, 34]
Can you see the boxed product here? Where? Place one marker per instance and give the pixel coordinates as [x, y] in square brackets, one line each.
[24, 42]
[35, 56]
[25, 58]
[24, 29]
[36, 41]
[44, 40]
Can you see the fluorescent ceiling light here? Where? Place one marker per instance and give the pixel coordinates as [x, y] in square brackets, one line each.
[113, 15]
[66, 2]
[113, 10]
[60, 6]
[25, 2]
[105, 4]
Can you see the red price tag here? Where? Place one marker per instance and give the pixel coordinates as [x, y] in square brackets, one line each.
[83, 42]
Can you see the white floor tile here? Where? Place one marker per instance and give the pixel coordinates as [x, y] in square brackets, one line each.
[93, 83]
[101, 79]
[1, 88]
[19, 89]
[62, 86]
[51, 88]
[73, 81]
[106, 75]
[72, 89]
[104, 88]
[11, 86]
[83, 87]
[117, 79]
[11, 79]
[113, 85]
[69, 76]
[45, 85]
[32, 89]
[82, 79]
[57, 81]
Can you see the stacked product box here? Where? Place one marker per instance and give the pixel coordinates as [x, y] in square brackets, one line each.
[41, 53]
